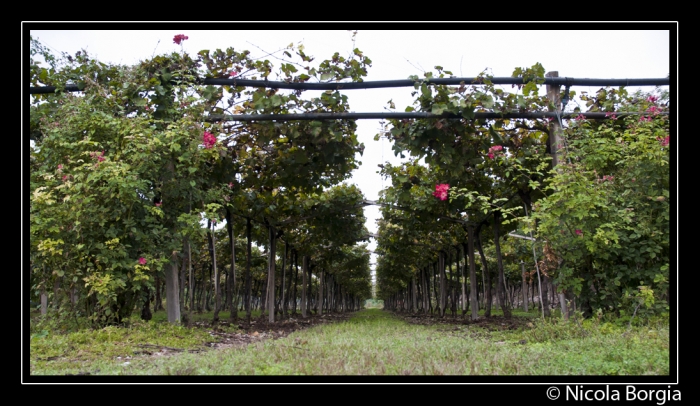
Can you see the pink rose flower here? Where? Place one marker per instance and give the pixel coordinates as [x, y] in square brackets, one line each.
[441, 191]
[209, 140]
[179, 38]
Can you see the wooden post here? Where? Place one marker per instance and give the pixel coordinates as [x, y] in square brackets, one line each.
[554, 127]
[553, 92]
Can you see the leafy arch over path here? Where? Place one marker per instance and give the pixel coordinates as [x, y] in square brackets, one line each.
[162, 101]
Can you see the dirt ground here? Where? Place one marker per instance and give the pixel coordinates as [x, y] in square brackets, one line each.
[492, 323]
[261, 329]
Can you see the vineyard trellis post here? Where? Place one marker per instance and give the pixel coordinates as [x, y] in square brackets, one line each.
[553, 92]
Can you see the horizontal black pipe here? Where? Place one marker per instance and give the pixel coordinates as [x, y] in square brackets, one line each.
[440, 81]
[404, 115]
[51, 89]
[564, 81]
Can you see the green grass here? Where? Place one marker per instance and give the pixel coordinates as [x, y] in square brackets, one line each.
[372, 342]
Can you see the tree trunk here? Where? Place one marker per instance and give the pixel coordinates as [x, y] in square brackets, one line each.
[296, 279]
[284, 277]
[44, 302]
[202, 291]
[197, 294]
[73, 296]
[553, 298]
[271, 276]
[414, 294]
[564, 307]
[56, 286]
[247, 271]
[158, 305]
[472, 272]
[443, 297]
[545, 296]
[209, 288]
[435, 286]
[264, 295]
[463, 278]
[231, 279]
[181, 282]
[485, 269]
[146, 309]
[309, 295]
[172, 301]
[524, 286]
[304, 270]
[217, 279]
[191, 278]
[320, 293]
[499, 259]
[425, 291]
[453, 298]
[254, 298]
[506, 289]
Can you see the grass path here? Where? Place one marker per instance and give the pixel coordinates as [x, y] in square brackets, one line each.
[374, 342]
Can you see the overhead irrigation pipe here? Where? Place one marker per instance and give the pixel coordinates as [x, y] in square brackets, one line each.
[410, 115]
[402, 83]
[438, 81]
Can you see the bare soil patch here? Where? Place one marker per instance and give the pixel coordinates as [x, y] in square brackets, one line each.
[261, 329]
[491, 323]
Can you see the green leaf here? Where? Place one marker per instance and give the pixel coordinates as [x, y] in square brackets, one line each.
[438, 108]
[276, 100]
[468, 113]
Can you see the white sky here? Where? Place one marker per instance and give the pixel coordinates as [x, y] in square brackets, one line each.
[397, 54]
